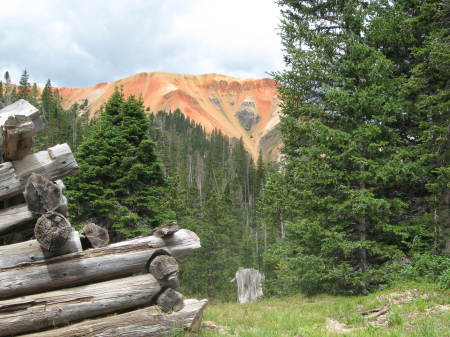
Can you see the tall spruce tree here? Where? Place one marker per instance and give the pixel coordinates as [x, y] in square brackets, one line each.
[24, 85]
[349, 133]
[120, 184]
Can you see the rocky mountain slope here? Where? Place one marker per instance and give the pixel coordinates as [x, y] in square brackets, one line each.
[247, 108]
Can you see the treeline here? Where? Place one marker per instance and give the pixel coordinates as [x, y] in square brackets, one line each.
[215, 185]
[61, 125]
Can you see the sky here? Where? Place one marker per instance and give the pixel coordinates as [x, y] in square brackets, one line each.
[85, 42]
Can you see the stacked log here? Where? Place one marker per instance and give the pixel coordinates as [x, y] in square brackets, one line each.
[66, 282]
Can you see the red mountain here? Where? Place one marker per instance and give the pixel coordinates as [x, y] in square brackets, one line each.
[247, 108]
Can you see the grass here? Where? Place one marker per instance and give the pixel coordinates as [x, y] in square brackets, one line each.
[414, 310]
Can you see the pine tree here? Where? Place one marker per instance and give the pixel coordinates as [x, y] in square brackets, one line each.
[348, 141]
[24, 85]
[47, 100]
[34, 98]
[120, 184]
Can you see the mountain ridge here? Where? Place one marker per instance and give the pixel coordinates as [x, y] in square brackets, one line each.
[247, 108]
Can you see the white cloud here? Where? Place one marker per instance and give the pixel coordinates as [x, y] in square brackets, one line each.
[84, 42]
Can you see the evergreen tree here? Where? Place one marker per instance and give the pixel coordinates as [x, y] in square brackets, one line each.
[47, 101]
[348, 141]
[120, 183]
[34, 98]
[24, 86]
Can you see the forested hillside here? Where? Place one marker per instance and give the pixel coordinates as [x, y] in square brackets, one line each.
[361, 197]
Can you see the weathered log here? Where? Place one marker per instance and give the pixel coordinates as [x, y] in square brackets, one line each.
[165, 269]
[41, 194]
[137, 323]
[55, 163]
[17, 134]
[92, 265]
[30, 251]
[170, 300]
[52, 231]
[21, 108]
[19, 217]
[55, 308]
[166, 230]
[18, 122]
[15, 217]
[95, 236]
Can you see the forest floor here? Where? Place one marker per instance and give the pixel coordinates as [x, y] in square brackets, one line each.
[408, 310]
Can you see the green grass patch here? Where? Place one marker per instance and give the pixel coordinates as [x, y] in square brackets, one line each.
[413, 310]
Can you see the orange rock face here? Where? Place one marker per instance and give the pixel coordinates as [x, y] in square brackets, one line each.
[246, 108]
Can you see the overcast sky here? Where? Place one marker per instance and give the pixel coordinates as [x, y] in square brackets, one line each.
[85, 42]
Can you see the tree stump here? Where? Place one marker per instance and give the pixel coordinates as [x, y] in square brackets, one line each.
[52, 231]
[249, 284]
[95, 236]
[170, 301]
[165, 269]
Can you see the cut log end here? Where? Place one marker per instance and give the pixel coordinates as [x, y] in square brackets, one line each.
[167, 230]
[52, 231]
[95, 236]
[166, 270]
[170, 301]
[42, 195]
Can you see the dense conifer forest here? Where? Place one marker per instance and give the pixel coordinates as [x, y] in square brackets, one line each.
[361, 197]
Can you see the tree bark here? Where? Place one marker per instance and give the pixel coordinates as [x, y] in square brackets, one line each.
[30, 251]
[55, 163]
[92, 265]
[55, 308]
[52, 231]
[139, 323]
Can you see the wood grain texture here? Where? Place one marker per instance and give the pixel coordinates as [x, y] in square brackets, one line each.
[15, 217]
[166, 269]
[52, 230]
[138, 323]
[55, 163]
[21, 108]
[60, 307]
[92, 265]
[41, 194]
[17, 134]
[30, 251]
[170, 300]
